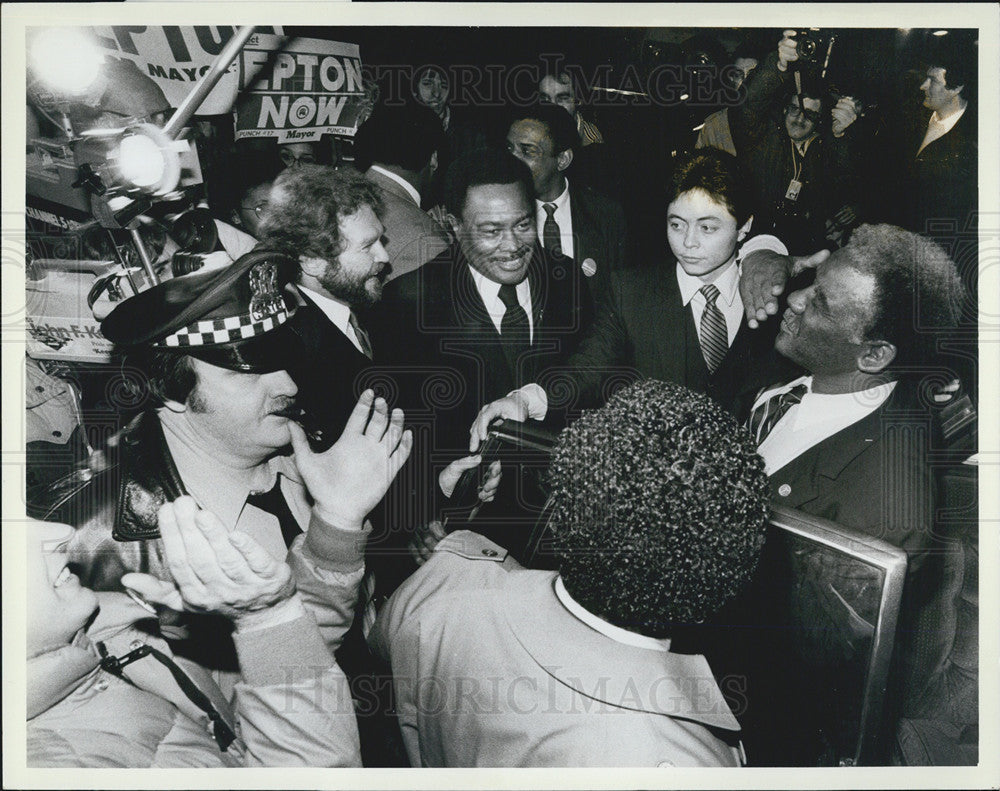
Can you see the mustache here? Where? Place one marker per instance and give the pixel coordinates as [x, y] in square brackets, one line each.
[288, 408]
[513, 256]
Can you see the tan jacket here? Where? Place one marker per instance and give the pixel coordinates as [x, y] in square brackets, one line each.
[292, 705]
[412, 236]
[490, 669]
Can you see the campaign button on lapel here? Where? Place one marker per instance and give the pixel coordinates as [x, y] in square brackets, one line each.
[784, 490]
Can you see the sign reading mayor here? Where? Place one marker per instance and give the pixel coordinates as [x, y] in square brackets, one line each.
[298, 90]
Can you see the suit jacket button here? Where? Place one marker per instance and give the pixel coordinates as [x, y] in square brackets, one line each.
[490, 553]
[784, 490]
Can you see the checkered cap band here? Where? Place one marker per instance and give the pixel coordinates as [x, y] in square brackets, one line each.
[211, 332]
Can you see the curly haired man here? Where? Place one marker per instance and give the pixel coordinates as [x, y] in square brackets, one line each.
[659, 507]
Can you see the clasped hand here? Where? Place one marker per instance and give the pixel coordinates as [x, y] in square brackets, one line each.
[213, 569]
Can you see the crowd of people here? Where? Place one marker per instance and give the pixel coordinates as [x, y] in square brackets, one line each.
[264, 543]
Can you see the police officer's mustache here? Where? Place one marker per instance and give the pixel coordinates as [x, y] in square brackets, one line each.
[289, 409]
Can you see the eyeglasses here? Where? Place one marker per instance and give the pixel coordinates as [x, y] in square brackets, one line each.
[258, 209]
[793, 111]
[290, 159]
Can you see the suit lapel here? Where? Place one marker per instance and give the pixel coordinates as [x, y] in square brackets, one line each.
[322, 337]
[583, 224]
[828, 458]
[677, 341]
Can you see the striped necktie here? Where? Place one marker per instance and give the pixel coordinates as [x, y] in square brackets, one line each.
[551, 236]
[766, 416]
[713, 334]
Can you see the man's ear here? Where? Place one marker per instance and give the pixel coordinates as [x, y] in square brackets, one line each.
[174, 406]
[314, 267]
[564, 159]
[876, 356]
[742, 233]
[454, 223]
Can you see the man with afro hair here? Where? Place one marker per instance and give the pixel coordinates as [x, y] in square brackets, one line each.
[659, 506]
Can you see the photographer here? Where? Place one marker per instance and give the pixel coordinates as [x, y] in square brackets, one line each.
[103, 691]
[803, 166]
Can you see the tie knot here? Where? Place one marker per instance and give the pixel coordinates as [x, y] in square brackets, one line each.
[508, 295]
[710, 292]
[550, 209]
[794, 396]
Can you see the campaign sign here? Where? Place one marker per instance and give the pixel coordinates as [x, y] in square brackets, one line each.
[177, 57]
[296, 90]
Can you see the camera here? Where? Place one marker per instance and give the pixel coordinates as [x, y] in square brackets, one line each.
[812, 47]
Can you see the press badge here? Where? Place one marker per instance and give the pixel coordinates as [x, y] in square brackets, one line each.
[794, 187]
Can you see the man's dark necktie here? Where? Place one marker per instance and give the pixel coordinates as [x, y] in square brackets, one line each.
[713, 334]
[551, 237]
[766, 416]
[515, 331]
[361, 335]
[274, 503]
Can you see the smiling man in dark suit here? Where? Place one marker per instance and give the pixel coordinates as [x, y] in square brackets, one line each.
[852, 440]
[492, 313]
[572, 218]
[841, 441]
[496, 307]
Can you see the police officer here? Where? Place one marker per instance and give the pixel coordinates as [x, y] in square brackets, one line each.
[212, 348]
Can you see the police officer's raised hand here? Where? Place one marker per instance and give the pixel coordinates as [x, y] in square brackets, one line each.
[213, 569]
[764, 276]
[788, 51]
[350, 478]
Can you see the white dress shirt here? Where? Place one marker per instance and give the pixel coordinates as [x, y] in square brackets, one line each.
[938, 127]
[818, 416]
[727, 280]
[410, 189]
[490, 292]
[563, 217]
[616, 633]
[338, 312]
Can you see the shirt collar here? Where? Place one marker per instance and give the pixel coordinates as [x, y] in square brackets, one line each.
[410, 189]
[215, 486]
[802, 146]
[489, 290]
[948, 123]
[616, 633]
[338, 312]
[727, 281]
[873, 395]
[561, 202]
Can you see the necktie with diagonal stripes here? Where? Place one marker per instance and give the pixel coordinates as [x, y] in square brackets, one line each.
[766, 416]
[712, 333]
